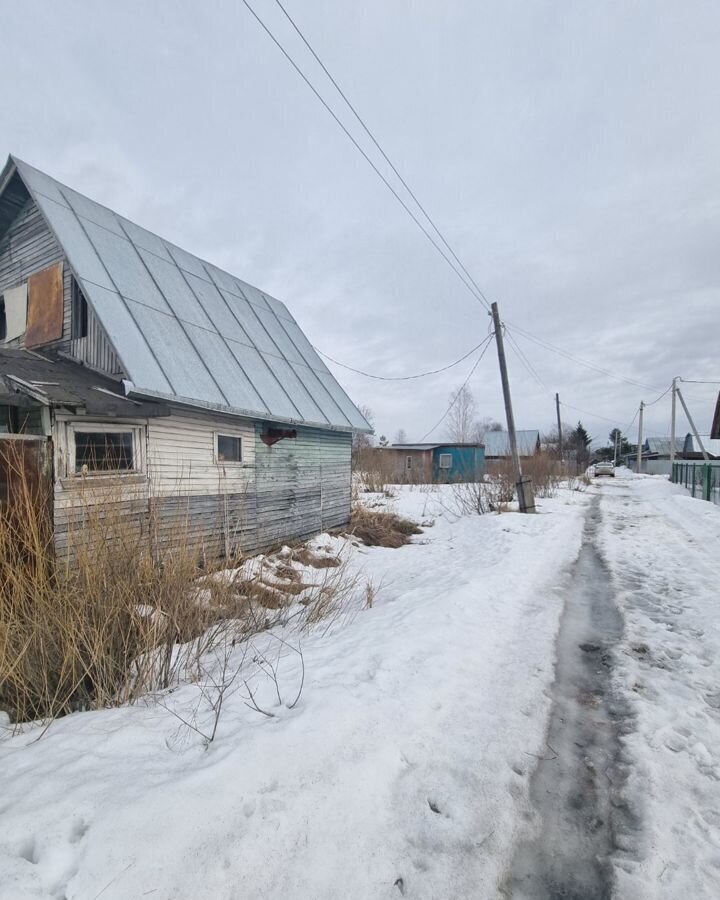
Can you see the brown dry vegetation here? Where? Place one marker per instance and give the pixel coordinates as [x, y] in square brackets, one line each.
[131, 614]
[381, 529]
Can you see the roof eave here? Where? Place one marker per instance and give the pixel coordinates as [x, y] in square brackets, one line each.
[188, 402]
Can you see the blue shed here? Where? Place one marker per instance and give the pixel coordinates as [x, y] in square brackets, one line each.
[439, 463]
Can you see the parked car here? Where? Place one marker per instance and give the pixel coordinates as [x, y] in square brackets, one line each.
[604, 468]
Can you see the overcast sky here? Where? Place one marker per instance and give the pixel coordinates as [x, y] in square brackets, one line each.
[570, 152]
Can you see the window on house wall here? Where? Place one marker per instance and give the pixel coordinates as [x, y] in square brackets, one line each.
[228, 448]
[104, 451]
[79, 312]
[445, 460]
[408, 462]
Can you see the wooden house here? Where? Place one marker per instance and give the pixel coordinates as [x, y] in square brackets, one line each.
[125, 357]
[433, 463]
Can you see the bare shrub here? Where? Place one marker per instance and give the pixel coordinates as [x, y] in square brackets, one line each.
[546, 473]
[381, 529]
[107, 624]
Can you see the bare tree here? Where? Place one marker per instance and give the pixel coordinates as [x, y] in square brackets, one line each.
[482, 426]
[360, 440]
[461, 418]
[401, 436]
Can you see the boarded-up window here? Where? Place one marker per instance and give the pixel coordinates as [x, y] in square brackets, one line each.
[45, 306]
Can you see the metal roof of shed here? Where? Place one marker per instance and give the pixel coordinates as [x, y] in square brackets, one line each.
[184, 329]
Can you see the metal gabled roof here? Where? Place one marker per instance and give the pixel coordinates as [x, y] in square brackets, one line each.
[662, 445]
[497, 443]
[184, 329]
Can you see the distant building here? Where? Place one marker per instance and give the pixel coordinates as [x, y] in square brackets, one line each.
[433, 463]
[497, 444]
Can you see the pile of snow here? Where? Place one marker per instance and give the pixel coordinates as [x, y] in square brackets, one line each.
[662, 547]
[403, 768]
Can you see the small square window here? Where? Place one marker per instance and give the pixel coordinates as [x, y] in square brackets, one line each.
[445, 461]
[104, 451]
[229, 448]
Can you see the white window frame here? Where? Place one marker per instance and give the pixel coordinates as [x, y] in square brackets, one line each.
[138, 444]
[229, 462]
[408, 462]
[445, 461]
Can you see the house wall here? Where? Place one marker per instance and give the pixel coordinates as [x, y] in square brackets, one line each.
[468, 463]
[393, 464]
[28, 247]
[291, 490]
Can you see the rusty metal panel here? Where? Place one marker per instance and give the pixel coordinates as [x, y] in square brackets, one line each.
[45, 306]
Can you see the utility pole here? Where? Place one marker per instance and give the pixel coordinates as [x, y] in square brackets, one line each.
[692, 425]
[640, 439]
[526, 500]
[557, 409]
[617, 436]
[672, 423]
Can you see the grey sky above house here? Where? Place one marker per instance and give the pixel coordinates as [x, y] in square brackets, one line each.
[569, 151]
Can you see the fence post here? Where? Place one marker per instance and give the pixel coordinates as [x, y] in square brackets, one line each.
[707, 470]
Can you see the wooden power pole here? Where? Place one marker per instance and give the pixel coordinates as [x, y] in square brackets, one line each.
[638, 467]
[526, 500]
[557, 410]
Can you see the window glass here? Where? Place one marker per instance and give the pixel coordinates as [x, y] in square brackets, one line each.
[79, 312]
[408, 462]
[104, 451]
[229, 449]
[446, 461]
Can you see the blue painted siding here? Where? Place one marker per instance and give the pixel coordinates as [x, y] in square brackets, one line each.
[466, 463]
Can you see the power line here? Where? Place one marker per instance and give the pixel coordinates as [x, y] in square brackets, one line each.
[541, 342]
[487, 342]
[667, 391]
[383, 153]
[587, 412]
[524, 360]
[401, 377]
[694, 381]
[448, 260]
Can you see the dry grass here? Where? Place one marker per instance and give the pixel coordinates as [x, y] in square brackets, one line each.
[104, 628]
[130, 613]
[381, 529]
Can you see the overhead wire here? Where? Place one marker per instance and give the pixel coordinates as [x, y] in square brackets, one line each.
[488, 340]
[384, 155]
[524, 360]
[480, 298]
[472, 286]
[401, 377]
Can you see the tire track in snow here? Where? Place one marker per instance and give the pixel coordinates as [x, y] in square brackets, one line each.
[576, 787]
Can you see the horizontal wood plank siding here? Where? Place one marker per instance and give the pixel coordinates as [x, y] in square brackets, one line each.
[289, 491]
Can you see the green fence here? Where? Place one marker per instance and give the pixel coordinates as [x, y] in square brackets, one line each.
[701, 479]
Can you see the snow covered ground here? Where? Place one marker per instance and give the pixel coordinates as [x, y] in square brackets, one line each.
[403, 770]
[662, 548]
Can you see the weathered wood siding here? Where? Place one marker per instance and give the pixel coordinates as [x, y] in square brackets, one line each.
[292, 490]
[303, 484]
[28, 247]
